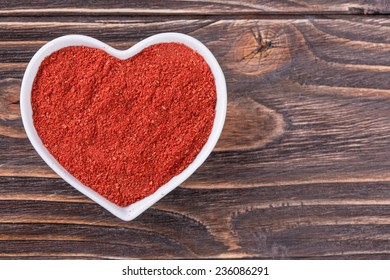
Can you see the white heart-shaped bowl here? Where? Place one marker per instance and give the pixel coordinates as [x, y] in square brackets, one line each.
[132, 211]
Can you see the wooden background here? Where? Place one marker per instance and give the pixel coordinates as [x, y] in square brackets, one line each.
[303, 166]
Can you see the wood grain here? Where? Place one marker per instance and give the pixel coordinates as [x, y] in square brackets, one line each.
[178, 7]
[301, 169]
[285, 87]
[336, 220]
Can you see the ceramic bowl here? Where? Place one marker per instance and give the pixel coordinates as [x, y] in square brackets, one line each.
[132, 211]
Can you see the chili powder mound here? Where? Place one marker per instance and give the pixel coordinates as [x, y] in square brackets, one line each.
[124, 127]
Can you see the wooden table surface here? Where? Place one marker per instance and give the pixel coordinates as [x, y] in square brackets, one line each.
[302, 169]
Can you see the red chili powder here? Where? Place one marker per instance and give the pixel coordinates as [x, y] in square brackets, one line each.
[124, 127]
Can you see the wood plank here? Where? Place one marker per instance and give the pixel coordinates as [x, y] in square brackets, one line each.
[123, 30]
[302, 103]
[335, 220]
[178, 7]
[301, 170]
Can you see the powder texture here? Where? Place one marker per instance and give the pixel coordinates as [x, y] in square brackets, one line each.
[124, 127]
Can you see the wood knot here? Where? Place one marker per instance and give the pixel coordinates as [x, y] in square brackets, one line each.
[9, 99]
[260, 50]
[249, 125]
[10, 124]
[263, 44]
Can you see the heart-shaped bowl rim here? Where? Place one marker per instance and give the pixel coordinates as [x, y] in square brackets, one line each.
[131, 211]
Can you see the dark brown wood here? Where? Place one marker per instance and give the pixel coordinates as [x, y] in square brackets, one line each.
[301, 169]
[179, 7]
